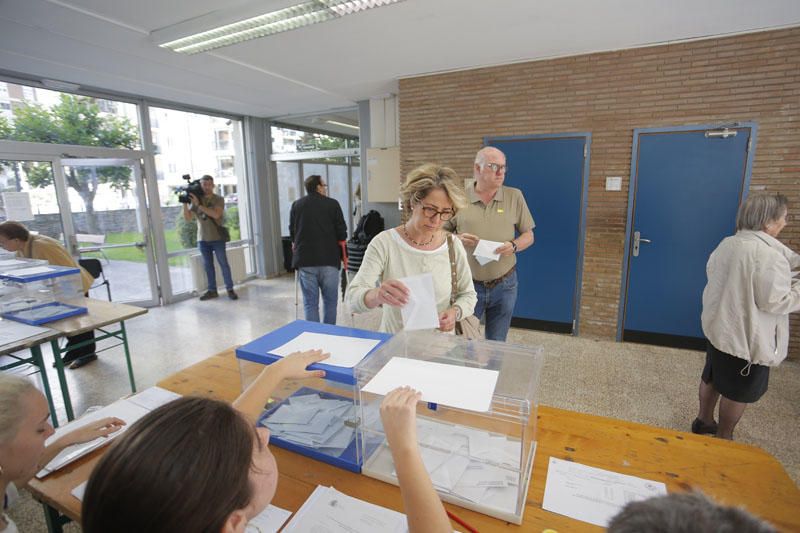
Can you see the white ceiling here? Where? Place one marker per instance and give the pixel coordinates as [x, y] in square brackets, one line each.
[106, 44]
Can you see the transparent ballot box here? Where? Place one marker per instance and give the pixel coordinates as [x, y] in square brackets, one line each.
[314, 417]
[479, 440]
[38, 294]
[11, 262]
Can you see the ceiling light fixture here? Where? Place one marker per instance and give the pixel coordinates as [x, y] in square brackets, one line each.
[286, 19]
[342, 124]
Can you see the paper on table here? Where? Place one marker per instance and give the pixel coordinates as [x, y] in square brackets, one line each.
[456, 386]
[420, 311]
[153, 397]
[80, 490]
[11, 331]
[31, 271]
[592, 494]
[345, 351]
[269, 520]
[12, 262]
[484, 251]
[329, 511]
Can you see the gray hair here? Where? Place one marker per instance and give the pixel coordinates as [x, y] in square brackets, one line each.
[759, 210]
[685, 512]
[480, 157]
[12, 389]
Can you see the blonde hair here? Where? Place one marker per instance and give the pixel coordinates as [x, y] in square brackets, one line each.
[12, 389]
[423, 179]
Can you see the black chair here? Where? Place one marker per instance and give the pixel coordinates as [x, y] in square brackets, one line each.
[95, 268]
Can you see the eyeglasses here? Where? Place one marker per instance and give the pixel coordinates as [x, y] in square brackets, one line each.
[497, 169]
[431, 212]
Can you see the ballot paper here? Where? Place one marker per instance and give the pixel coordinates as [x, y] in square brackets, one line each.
[464, 462]
[11, 331]
[592, 494]
[456, 386]
[128, 409]
[325, 424]
[269, 520]
[80, 490]
[345, 351]
[484, 251]
[420, 311]
[329, 511]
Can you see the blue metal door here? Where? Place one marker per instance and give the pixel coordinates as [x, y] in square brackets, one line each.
[685, 191]
[552, 173]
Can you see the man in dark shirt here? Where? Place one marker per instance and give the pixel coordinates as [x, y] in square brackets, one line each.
[316, 225]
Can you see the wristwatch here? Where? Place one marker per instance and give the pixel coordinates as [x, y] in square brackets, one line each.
[458, 313]
[514, 245]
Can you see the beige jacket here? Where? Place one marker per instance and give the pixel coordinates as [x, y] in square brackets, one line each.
[749, 296]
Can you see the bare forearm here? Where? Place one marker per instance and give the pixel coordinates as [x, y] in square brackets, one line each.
[423, 507]
[525, 240]
[251, 402]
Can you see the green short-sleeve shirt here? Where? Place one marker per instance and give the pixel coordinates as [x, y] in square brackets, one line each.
[506, 216]
[207, 229]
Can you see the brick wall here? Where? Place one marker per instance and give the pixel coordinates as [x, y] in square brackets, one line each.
[754, 77]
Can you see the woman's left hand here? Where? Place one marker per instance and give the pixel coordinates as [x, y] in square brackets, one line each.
[100, 428]
[447, 319]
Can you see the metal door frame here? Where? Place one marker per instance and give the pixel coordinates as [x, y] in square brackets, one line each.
[633, 187]
[587, 137]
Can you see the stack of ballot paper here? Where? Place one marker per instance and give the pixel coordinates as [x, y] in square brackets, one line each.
[484, 251]
[329, 511]
[128, 409]
[464, 462]
[308, 419]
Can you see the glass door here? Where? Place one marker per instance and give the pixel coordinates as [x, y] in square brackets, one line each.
[108, 220]
[28, 194]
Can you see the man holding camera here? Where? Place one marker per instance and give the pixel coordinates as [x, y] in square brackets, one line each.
[209, 211]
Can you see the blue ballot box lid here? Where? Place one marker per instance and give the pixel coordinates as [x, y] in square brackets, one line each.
[37, 273]
[258, 350]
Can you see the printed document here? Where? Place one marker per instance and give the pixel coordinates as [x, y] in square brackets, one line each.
[270, 520]
[345, 351]
[329, 511]
[456, 386]
[11, 331]
[420, 311]
[592, 494]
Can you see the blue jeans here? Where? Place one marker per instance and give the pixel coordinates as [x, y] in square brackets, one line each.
[209, 249]
[312, 281]
[498, 303]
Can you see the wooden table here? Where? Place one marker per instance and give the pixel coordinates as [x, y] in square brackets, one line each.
[730, 472]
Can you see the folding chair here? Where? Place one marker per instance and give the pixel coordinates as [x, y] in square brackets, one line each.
[95, 268]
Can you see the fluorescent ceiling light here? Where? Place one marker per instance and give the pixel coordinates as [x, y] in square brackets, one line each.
[343, 124]
[286, 19]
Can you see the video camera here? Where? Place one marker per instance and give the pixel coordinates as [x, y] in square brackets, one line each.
[192, 187]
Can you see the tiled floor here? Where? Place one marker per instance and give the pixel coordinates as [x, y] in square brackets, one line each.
[635, 382]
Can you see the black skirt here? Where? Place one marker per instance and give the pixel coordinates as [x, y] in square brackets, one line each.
[724, 372]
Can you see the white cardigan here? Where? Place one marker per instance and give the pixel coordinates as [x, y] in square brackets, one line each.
[388, 256]
[749, 296]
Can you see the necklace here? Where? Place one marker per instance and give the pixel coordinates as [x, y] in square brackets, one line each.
[407, 236]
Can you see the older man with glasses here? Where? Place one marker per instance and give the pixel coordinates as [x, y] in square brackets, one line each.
[495, 213]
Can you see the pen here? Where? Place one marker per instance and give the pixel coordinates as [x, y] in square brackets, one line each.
[461, 522]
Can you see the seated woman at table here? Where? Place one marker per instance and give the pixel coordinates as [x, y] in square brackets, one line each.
[202, 465]
[15, 237]
[24, 428]
[430, 196]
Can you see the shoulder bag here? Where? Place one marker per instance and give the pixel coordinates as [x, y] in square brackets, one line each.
[468, 326]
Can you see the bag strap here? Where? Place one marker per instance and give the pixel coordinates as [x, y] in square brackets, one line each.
[453, 284]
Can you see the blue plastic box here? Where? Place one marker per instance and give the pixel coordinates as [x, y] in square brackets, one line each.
[330, 433]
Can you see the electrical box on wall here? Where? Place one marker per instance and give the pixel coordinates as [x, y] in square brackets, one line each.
[383, 174]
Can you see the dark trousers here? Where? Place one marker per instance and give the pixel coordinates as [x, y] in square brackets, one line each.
[77, 353]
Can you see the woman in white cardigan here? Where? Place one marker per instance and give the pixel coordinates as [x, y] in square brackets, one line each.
[431, 195]
[746, 306]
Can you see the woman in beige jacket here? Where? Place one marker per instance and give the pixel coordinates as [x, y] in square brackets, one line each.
[746, 306]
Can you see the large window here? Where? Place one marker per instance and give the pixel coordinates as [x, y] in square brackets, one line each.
[193, 145]
[41, 115]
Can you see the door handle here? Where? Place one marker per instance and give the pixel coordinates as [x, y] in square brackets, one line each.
[637, 239]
